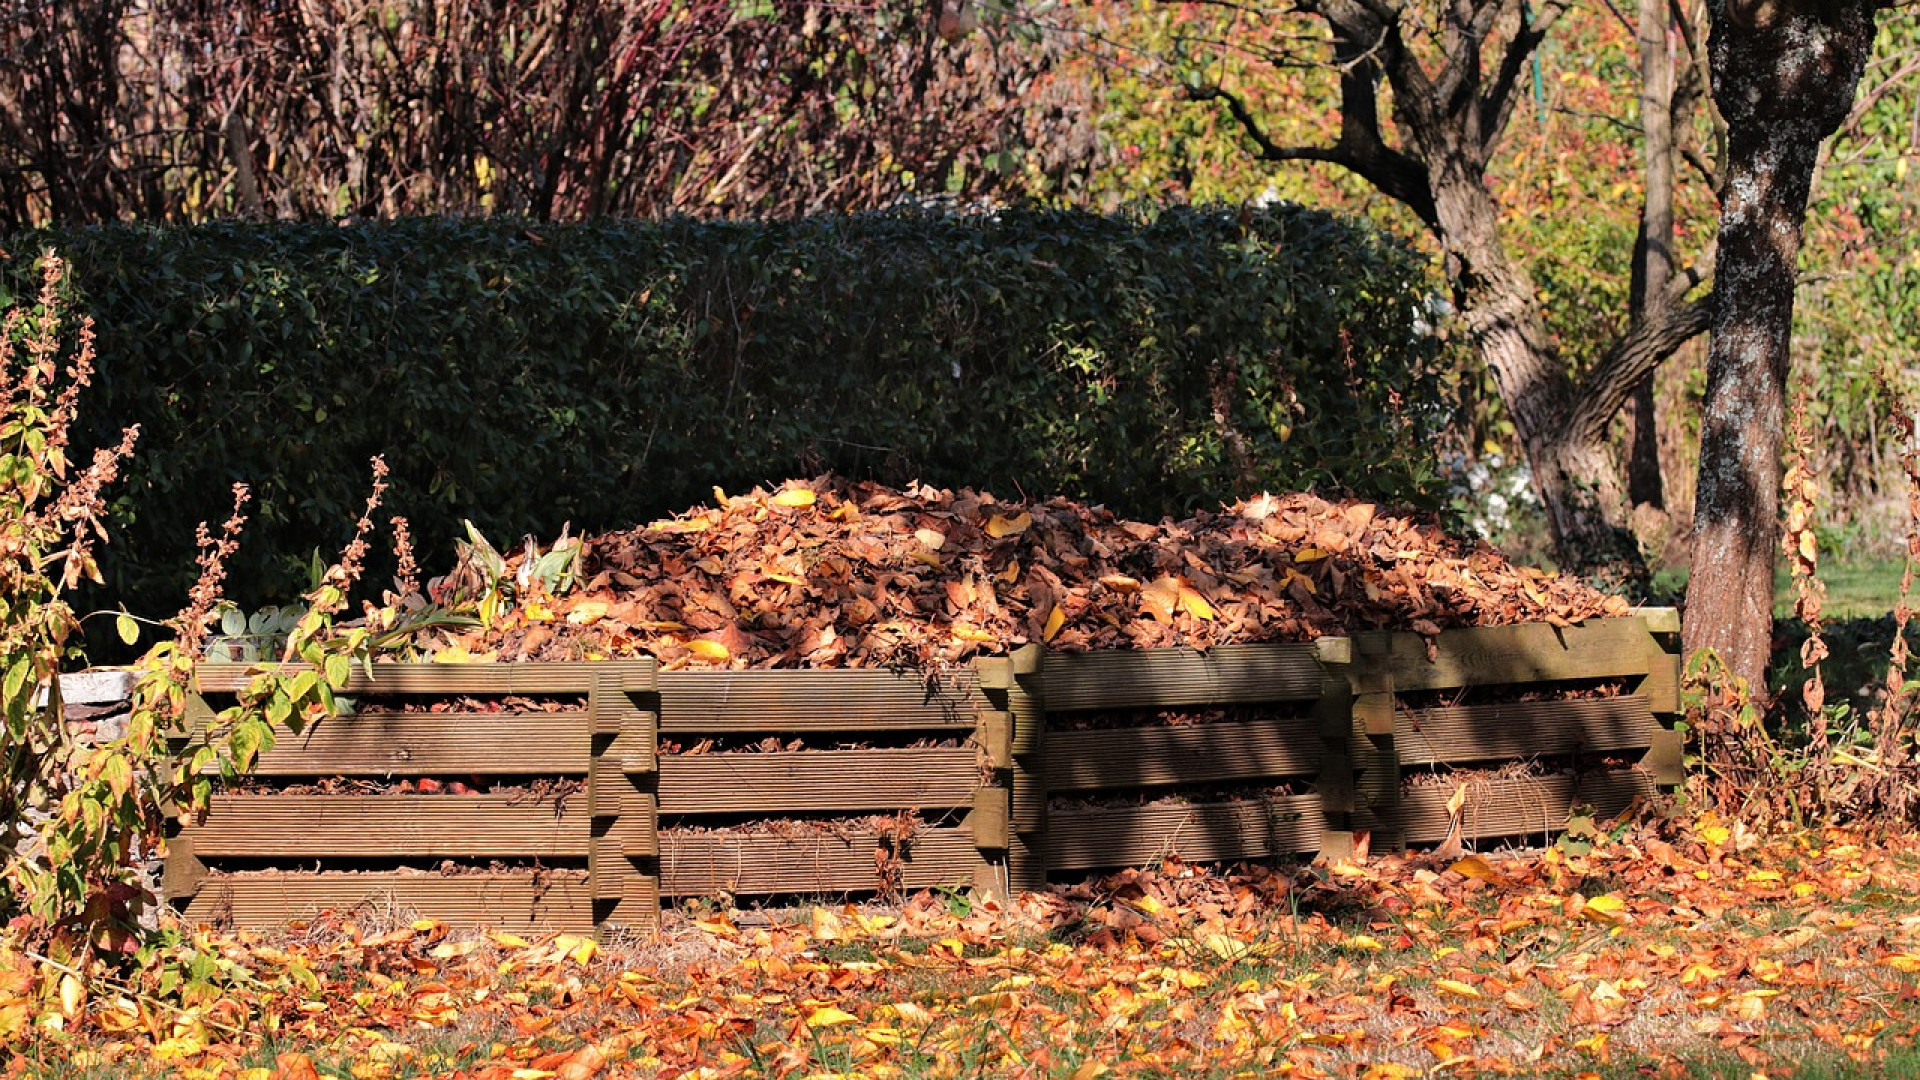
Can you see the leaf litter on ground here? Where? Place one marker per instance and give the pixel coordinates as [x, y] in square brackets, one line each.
[1671, 941]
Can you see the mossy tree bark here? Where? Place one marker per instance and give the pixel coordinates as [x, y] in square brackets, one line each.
[1784, 74]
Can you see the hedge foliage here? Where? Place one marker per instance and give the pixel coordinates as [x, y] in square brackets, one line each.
[604, 374]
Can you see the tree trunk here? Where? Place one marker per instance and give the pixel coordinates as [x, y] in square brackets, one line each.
[1784, 78]
[1576, 472]
[1653, 248]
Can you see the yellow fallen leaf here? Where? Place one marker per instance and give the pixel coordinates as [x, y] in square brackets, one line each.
[1474, 866]
[1146, 905]
[998, 526]
[1907, 962]
[1363, 941]
[707, 649]
[1607, 909]
[1088, 1070]
[970, 632]
[881, 1034]
[795, 498]
[932, 538]
[580, 950]
[449, 950]
[506, 940]
[1456, 988]
[1310, 554]
[827, 926]
[1518, 1002]
[1055, 620]
[683, 525]
[1161, 598]
[828, 1016]
[1005, 1001]
[1195, 604]
[587, 612]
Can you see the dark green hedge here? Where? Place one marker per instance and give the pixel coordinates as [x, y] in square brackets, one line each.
[526, 376]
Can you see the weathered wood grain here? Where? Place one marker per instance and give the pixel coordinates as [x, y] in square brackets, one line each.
[1137, 835]
[556, 900]
[1201, 754]
[818, 781]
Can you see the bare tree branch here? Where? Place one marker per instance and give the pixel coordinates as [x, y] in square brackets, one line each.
[1631, 358]
[1496, 108]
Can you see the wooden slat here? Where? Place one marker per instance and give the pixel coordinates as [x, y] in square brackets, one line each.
[304, 827]
[432, 744]
[1515, 806]
[706, 863]
[785, 701]
[818, 780]
[1171, 678]
[1492, 655]
[1522, 729]
[1202, 754]
[511, 901]
[559, 677]
[1138, 835]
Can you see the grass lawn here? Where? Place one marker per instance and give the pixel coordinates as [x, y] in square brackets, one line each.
[1866, 589]
[1683, 950]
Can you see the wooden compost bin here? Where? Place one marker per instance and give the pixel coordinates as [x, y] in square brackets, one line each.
[1407, 756]
[721, 813]
[572, 862]
[1340, 736]
[1307, 745]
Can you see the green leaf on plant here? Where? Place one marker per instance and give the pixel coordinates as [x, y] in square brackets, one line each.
[128, 629]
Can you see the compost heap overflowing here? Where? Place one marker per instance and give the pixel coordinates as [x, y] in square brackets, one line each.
[831, 573]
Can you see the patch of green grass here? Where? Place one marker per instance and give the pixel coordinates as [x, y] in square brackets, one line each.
[1817, 1064]
[1864, 589]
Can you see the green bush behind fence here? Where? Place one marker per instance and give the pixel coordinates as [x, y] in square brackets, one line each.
[603, 374]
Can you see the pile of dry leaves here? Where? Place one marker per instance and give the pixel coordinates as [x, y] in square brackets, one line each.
[832, 573]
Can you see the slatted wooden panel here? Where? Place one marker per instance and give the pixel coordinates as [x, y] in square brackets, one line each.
[1202, 754]
[297, 827]
[708, 863]
[559, 677]
[555, 900]
[433, 744]
[1516, 806]
[819, 781]
[1499, 655]
[1136, 835]
[1173, 678]
[1523, 729]
[794, 702]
